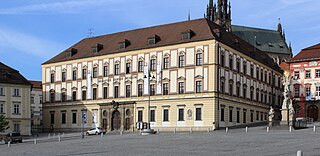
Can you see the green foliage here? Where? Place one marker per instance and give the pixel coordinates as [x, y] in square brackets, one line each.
[4, 124]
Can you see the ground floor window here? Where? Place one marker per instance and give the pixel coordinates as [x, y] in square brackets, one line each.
[63, 117]
[165, 115]
[251, 117]
[244, 117]
[74, 117]
[140, 116]
[230, 115]
[198, 114]
[238, 116]
[152, 115]
[16, 127]
[52, 118]
[181, 114]
[222, 114]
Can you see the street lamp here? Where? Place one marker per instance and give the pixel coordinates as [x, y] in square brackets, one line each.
[83, 116]
[148, 131]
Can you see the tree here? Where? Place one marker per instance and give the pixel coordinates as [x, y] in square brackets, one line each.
[4, 124]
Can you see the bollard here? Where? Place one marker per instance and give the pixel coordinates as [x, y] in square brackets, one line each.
[58, 134]
[121, 132]
[299, 153]
[208, 130]
[54, 134]
[268, 129]
[49, 135]
[174, 130]
[314, 128]
[35, 141]
[9, 143]
[227, 129]
[158, 131]
[63, 134]
[101, 135]
[246, 129]
[59, 138]
[290, 129]
[190, 130]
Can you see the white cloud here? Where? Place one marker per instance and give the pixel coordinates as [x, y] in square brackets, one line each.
[59, 7]
[26, 43]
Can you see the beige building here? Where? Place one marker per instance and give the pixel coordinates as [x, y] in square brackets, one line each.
[15, 99]
[201, 76]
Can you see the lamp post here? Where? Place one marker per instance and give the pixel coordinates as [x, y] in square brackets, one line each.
[148, 76]
[83, 116]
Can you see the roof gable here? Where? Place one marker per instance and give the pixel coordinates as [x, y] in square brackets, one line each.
[12, 76]
[308, 54]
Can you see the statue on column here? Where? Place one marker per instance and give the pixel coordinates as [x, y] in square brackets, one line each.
[271, 116]
[287, 110]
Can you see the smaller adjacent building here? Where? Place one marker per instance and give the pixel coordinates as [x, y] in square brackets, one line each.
[15, 99]
[305, 89]
[36, 106]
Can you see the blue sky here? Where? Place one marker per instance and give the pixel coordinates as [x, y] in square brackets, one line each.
[33, 31]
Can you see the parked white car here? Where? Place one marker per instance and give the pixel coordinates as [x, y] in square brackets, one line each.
[96, 131]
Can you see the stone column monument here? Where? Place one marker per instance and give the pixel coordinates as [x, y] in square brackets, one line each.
[287, 110]
[271, 117]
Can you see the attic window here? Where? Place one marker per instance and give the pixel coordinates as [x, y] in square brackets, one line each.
[187, 35]
[72, 52]
[258, 42]
[153, 40]
[125, 44]
[97, 48]
[280, 45]
[270, 45]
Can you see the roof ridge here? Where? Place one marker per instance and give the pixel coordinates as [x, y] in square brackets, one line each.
[265, 29]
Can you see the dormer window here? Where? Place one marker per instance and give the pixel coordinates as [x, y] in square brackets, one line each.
[72, 52]
[125, 44]
[258, 42]
[270, 45]
[187, 35]
[97, 48]
[153, 40]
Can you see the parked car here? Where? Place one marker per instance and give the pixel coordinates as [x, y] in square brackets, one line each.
[13, 137]
[96, 131]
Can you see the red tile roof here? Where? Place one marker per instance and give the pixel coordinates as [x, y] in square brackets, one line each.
[308, 54]
[36, 84]
[11, 76]
[169, 34]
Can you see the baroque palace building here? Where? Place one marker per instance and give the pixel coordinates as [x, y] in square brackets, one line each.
[15, 100]
[201, 76]
[304, 69]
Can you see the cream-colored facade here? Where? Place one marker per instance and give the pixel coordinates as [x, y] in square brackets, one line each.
[36, 108]
[15, 106]
[196, 98]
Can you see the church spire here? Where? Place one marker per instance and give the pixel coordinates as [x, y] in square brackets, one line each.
[279, 26]
[220, 13]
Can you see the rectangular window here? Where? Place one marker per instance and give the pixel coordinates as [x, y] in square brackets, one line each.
[105, 92]
[222, 60]
[261, 75]
[116, 91]
[52, 97]
[166, 63]
[128, 68]
[231, 62]
[317, 90]
[181, 87]
[244, 92]
[198, 86]
[63, 118]
[244, 117]
[308, 91]
[153, 64]
[52, 78]
[222, 87]
[16, 92]
[198, 114]
[152, 116]
[296, 75]
[181, 114]
[257, 116]
[63, 96]
[16, 127]
[317, 73]
[251, 116]
[165, 115]
[63, 76]
[95, 72]
[222, 114]
[105, 71]
[251, 71]
[181, 61]
[257, 73]
[261, 117]
[140, 116]
[1, 107]
[84, 95]
[116, 69]
[199, 59]
[84, 73]
[74, 75]
[296, 92]
[140, 66]
[140, 90]
[152, 90]
[32, 100]
[231, 89]
[244, 68]
[308, 74]
[165, 89]
[238, 116]
[51, 118]
[16, 109]
[128, 90]
[238, 90]
[94, 93]
[74, 117]
[74, 96]
[230, 115]
[1, 91]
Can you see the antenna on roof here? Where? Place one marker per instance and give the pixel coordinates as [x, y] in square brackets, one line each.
[91, 33]
[189, 16]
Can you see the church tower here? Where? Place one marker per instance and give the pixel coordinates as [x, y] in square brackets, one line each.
[221, 15]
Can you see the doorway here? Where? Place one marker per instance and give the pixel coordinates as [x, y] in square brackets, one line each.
[313, 112]
[116, 120]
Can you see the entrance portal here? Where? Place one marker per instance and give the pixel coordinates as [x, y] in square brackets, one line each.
[116, 120]
[313, 112]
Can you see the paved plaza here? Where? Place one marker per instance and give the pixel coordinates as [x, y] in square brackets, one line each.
[236, 142]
